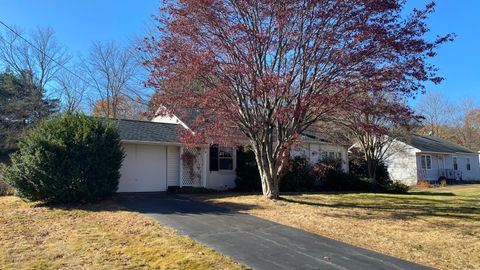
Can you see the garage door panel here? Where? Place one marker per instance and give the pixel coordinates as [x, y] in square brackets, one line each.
[144, 169]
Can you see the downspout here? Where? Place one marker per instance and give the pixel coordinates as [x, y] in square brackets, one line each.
[181, 167]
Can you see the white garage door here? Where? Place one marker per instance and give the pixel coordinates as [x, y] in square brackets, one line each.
[143, 169]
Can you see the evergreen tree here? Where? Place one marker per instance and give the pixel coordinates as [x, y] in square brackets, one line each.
[21, 105]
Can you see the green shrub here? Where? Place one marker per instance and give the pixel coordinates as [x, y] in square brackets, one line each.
[5, 189]
[299, 176]
[70, 158]
[396, 187]
[341, 181]
[358, 166]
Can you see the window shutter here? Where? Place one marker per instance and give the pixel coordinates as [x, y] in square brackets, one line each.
[239, 156]
[214, 158]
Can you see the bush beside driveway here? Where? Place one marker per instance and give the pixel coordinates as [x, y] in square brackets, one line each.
[437, 227]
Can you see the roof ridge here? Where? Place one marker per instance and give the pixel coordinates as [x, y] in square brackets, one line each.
[431, 139]
[144, 121]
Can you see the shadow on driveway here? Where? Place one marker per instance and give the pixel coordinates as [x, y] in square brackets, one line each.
[256, 242]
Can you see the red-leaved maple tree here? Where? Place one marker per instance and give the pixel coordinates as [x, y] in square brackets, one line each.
[374, 123]
[263, 71]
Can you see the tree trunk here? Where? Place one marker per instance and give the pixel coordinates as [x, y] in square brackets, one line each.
[269, 166]
[270, 186]
[372, 168]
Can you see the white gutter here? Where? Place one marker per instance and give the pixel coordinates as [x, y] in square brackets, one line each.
[150, 142]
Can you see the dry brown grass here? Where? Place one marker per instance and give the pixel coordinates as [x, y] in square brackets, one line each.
[99, 236]
[436, 227]
[423, 184]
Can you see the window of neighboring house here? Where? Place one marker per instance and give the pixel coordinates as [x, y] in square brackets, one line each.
[331, 155]
[455, 163]
[426, 162]
[225, 158]
[469, 167]
[299, 152]
[339, 155]
[323, 156]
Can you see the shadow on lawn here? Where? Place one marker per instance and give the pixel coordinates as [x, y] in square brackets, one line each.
[177, 205]
[427, 193]
[151, 203]
[406, 208]
[416, 204]
[107, 204]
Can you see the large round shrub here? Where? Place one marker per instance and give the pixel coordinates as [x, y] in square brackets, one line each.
[70, 158]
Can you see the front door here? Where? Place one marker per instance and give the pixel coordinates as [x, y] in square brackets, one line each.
[441, 163]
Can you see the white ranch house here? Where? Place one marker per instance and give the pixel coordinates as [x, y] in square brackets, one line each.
[429, 158]
[156, 159]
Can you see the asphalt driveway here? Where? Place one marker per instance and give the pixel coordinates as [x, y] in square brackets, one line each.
[255, 242]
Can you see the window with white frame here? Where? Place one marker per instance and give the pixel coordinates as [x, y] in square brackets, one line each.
[331, 155]
[455, 163]
[323, 156]
[469, 167]
[426, 162]
[299, 152]
[225, 158]
[339, 155]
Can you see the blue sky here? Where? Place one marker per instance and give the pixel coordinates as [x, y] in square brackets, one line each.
[78, 22]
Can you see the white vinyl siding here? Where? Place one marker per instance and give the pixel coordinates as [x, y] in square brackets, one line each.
[402, 163]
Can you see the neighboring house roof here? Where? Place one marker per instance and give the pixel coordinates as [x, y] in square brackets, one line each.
[145, 131]
[315, 136]
[434, 144]
[312, 138]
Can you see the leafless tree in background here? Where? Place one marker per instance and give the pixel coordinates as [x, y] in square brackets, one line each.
[467, 125]
[456, 122]
[114, 73]
[437, 111]
[71, 90]
[38, 64]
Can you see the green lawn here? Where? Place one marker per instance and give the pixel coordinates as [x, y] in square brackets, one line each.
[98, 236]
[437, 227]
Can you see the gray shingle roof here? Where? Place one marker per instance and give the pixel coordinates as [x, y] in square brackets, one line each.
[135, 130]
[435, 144]
[312, 138]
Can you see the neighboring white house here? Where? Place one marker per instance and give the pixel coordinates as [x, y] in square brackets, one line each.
[156, 159]
[429, 158]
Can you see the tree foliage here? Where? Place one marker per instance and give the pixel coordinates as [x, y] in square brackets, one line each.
[69, 158]
[267, 70]
[20, 107]
[374, 123]
[126, 109]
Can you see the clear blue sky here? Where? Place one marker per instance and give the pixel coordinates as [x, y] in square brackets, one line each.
[78, 22]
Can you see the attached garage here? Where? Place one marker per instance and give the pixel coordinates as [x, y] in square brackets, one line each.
[152, 153]
[155, 159]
